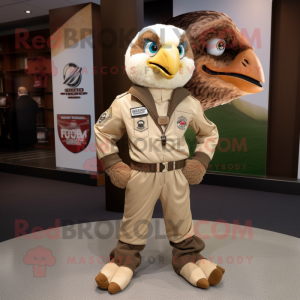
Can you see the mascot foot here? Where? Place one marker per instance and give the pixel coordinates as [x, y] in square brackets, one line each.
[104, 278]
[194, 275]
[213, 272]
[120, 280]
[203, 283]
[102, 281]
[114, 288]
[215, 277]
[221, 269]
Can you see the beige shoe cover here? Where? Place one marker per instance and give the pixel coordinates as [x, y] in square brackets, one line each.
[120, 280]
[194, 275]
[106, 274]
[211, 270]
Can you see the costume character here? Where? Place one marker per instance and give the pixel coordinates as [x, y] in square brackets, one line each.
[155, 113]
[226, 66]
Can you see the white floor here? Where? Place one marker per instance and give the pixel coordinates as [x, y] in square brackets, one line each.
[263, 266]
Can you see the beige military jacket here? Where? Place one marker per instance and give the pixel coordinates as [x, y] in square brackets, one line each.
[135, 112]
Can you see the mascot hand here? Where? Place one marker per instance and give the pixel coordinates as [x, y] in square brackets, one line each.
[193, 171]
[119, 174]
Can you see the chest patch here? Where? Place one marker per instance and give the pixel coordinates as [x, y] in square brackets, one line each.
[182, 122]
[139, 112]
[105, 116]
[140, 124]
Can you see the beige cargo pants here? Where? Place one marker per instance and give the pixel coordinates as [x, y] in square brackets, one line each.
[142, 192]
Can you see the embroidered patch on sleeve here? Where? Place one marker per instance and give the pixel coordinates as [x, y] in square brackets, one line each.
[182, 123]
[105, 116]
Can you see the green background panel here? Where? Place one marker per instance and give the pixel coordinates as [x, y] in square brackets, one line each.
[234, 125]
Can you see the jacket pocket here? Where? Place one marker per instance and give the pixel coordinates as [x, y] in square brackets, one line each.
[181, 122]
[140, 127]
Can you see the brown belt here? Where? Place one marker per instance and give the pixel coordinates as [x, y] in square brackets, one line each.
[159, 167]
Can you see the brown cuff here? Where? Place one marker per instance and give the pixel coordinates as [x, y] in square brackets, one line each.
[111, 160]
[186, 251]
[202, 157]
[127, 255]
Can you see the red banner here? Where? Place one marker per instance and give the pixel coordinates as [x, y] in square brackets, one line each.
[74, 131]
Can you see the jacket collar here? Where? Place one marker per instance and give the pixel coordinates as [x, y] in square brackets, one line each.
[161, 95]
[178, 95]
[143, 94]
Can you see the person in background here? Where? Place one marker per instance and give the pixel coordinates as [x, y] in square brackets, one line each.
[23, 119]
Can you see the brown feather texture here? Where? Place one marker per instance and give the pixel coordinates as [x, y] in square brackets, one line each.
[200, 27]
[138, 46]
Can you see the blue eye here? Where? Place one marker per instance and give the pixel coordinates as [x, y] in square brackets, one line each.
[150, 48]
[181, 49]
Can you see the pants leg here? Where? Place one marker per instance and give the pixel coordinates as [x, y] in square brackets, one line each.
[142, 192]
[175, 198]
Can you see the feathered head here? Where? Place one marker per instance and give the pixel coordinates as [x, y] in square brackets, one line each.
[226, 65]
[160, 56]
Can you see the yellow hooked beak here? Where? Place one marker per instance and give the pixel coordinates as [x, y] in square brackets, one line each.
[166, 61]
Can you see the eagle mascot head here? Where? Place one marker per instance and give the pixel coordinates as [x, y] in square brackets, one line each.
[160, 56]
[226, 66]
